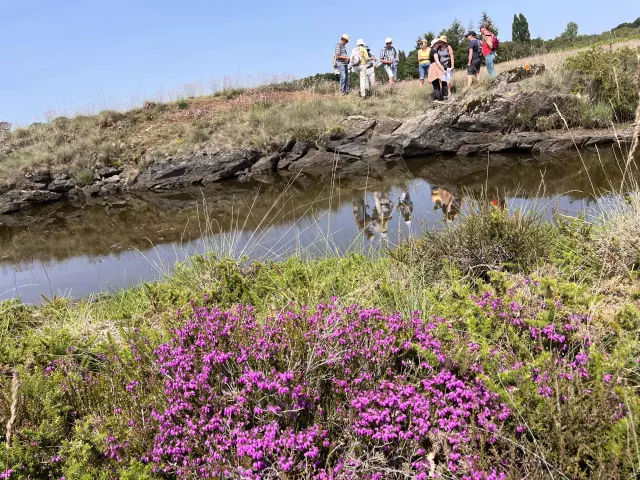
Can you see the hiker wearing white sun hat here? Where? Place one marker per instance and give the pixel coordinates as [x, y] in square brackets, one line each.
[359, 61]
[389, 60]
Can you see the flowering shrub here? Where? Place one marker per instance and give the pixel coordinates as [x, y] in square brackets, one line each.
[324, 393]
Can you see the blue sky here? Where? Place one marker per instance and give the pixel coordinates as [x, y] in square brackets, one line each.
[73, 56]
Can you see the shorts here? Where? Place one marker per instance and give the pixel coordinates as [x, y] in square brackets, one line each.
[392, 70]
[423, 70]
[474, 68]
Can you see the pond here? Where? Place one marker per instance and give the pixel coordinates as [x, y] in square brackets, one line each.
[104, 244]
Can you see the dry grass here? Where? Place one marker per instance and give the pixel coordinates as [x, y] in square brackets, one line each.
[262, 117]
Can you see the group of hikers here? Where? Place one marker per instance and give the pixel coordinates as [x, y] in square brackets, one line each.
[436, 62]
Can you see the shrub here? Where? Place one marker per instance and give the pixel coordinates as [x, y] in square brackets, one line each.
[595, 115]
[485, 238]
[109, 118]
[322, 393]
[617, 242]
[199, 134]
[608, 76]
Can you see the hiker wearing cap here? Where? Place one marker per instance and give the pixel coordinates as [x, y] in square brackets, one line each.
[389, 60]
[475, 58]
[341, 61]
[359, 61]
[424, 54]
[489, 49]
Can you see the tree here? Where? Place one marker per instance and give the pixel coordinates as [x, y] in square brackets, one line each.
[520, 29]
[571, 32]
[456, 38]
[488, 20]
[429, 36]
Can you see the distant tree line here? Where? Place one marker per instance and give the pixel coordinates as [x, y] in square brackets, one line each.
[521, 45]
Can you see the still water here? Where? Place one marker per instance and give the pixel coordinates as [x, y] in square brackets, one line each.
[79, 249]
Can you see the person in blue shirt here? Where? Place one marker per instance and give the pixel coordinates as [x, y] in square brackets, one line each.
[475, 58]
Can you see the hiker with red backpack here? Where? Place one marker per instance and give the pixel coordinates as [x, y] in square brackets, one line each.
[490, 45]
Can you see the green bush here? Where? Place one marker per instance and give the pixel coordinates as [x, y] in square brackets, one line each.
[607, 77]
[596, 115]
[484, 239]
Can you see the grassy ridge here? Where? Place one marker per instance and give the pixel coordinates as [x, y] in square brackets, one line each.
[544, 315]
[265, 117]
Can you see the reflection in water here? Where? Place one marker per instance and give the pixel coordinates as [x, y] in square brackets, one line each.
[446, 201]
[363, 219]
[405, 206]
[80, 249]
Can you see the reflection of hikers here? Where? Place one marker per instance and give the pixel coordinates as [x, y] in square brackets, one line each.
[359, 60]
[423, 61]
[389, 59]
[489, 47]
[382, 213]
[445, 201]
[341, 61]
[363, 219]
[405, 206]
[499, 202]
[475, 58]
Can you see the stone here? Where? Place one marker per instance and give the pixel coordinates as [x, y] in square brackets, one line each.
[357, 125]
[386, 126]
[61, 184]
[359, 150]
[113, 179]
[43, 176]
[301, 148]
[520, 73]
[319, 162]
[554, 146]
[266, 164]
[108, 172]
[192, 171]
[288, 145]
[16, 200]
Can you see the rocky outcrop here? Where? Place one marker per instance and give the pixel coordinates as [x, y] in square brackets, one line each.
[16, 200]
[507, 119]
[194, 171]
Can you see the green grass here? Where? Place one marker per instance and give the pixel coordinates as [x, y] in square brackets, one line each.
[516, 255]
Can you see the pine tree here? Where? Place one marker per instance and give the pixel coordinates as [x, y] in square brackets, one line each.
[487, 19]
[515, 29]
[520, 29]
[524, 28]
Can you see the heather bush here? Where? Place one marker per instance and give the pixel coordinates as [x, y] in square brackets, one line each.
[324, 393]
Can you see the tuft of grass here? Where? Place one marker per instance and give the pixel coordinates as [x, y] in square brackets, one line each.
[484, 238]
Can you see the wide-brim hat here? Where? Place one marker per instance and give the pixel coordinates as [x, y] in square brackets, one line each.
[360, 42]
[388, 40]
[434, 41]
[345, 36]
[443, 38]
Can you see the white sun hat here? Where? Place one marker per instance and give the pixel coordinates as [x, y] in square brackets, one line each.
[388, 40]
[360, 42]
